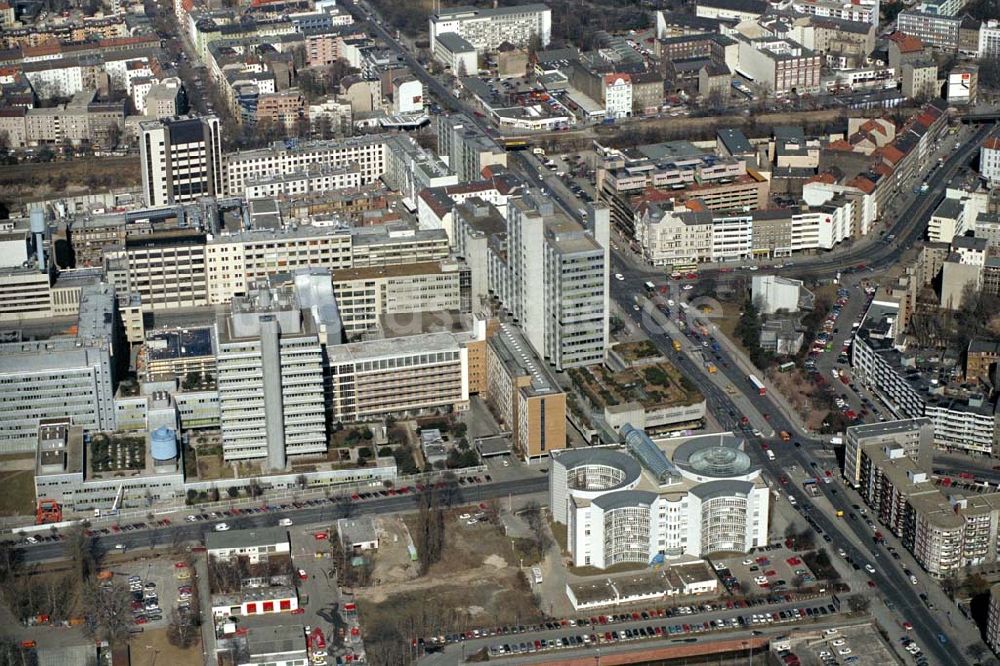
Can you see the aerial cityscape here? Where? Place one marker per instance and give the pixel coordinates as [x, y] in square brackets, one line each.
[569, 332]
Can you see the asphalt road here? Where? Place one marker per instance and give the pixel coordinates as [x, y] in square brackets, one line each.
[888, 576]
[908, 228]
[181, 532]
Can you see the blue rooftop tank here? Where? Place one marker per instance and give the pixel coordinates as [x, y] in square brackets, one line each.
[164, 443]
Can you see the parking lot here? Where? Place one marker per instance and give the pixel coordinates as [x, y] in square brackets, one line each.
[857, 645]
[777, 570]
[157, 585]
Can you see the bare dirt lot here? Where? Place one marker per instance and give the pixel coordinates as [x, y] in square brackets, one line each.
[800, 393]
[152, 647]
[24, 182]
[477, 583]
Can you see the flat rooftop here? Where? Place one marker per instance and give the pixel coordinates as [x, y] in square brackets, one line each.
[261, 536]
[521, 359]
[179, 343]
[279, 639]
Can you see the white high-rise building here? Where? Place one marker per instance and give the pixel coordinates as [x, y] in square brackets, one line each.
[181, 159]
[554, 279]
[487, 29]
[654, 502]
[270, 371]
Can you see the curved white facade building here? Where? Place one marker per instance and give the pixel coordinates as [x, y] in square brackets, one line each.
[692, 497]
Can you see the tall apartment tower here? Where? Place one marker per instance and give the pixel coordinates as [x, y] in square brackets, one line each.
[181, 159]
[270, 377]
[556, 279]
[915, 436]
[467, 148]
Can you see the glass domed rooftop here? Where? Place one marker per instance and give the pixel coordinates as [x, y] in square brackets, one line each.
[719, 461]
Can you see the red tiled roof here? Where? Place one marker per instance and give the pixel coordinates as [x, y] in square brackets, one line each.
[892, 154]
[992, 143]
[840, 144]
[907, 43]
[822, 178]
[862, 184]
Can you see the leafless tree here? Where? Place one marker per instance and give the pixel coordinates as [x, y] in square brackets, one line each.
[107, 614]
[181, 632]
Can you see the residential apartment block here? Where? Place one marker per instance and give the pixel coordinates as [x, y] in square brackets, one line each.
[914, 436]
[945, 533]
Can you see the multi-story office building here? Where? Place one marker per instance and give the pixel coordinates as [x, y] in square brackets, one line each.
[487, 29]
[676, 171]
[860, 11]
[781, 64]
[62, 377]
[306, 181]
[467, 148]
[932, 29]
[410, 169]
[364, 295]
[477, 224]
[914, 436]
[67, 472]
[654, 501]
[181, 159]
[456, 53]
[166, 269]
[524, 394]
[270, 372]
[183, 268]
[989, 39]
[422, 373]
[552, 275]
[368, 152]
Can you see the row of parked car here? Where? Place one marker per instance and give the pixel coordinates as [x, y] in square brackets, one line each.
[600, 621]
[300, 504]
[680, 632]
